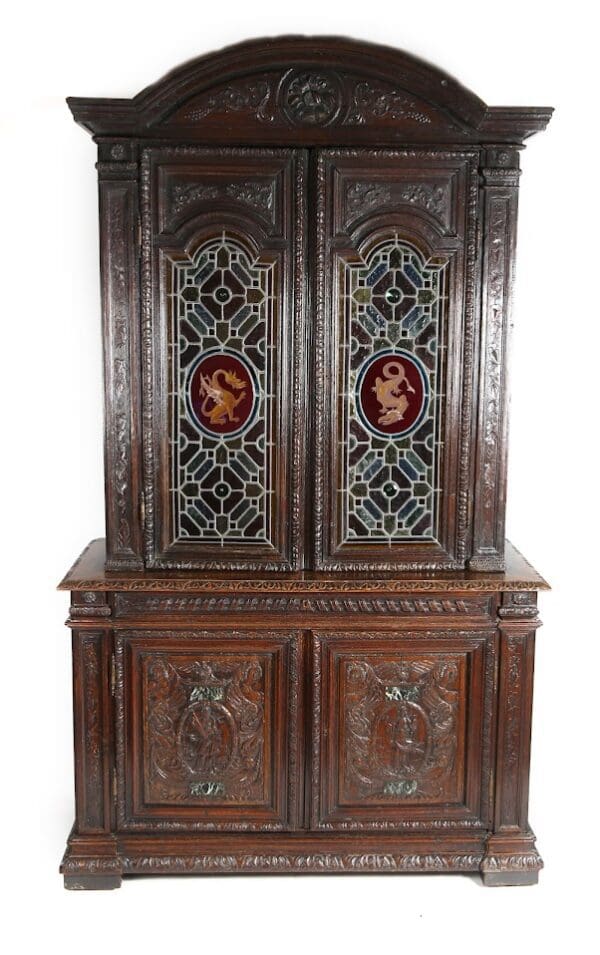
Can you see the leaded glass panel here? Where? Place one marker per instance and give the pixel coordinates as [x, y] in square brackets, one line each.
[392, 305]
[220, 395]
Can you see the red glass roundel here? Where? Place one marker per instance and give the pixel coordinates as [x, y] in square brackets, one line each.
[222, 393]
[392, 393]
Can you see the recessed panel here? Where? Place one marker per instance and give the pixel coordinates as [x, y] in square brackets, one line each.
[401, 738]
[394, 363]
[223, 312]
[205, 730]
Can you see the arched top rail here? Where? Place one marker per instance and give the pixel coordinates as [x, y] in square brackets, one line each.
[299, 90]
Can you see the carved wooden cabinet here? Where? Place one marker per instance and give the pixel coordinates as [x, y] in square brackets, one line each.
[304, 645]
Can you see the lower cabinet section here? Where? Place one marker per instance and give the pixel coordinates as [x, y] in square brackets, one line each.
[326, 746]
[207, 730]
[400, 727]
[210, 730]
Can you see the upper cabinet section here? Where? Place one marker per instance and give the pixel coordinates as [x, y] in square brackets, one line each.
[307, 250]
[308, 91]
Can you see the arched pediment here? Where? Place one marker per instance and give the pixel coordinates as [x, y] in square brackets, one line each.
[307, 90]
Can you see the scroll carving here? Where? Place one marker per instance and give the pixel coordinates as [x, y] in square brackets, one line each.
[118, 206]
[258, 195]
[512, 717]
[235, 98]
[401, 740]
[90, 676]
[91, 651]
[204, 748]
[516, 670]
[375, 102]
[118, 357]
[362, 197]
[500, 207]
[494, 353]
[309, 98]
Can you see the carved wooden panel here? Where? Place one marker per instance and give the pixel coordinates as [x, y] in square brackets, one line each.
[394, 360]
[223, 318]
[206, 729]
[500, 190]
[91, 706]
[312, 99]
[517, 646]
[401, 737]
[119, 251]
[437, 605]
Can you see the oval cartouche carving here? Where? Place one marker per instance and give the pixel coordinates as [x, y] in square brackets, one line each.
[207, 738]
[401, 737]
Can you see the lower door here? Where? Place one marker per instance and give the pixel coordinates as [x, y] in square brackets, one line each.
[206, 730]
[403, 738]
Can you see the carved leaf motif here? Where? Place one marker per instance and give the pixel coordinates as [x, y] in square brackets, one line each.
[361, 196]
[493, 369]
[364, 196]
[116, 229]
[290, 861]
[259, 195]
[91, 663]
[251, 97]
[191, 741]
[432, 198]
[374, 102]
[404, 747]
[183, 196]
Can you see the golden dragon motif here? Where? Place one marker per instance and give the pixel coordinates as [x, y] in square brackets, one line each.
[223, 402]
[393, 401]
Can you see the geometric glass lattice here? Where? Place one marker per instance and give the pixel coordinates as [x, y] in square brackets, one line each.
[392, 309]
[220, 398]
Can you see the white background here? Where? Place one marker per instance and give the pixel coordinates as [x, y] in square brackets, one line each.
[514, 53]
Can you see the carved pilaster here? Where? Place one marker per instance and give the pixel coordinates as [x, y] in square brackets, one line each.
[91, 706]
[118, 186]
[499, 191]
[511, 857]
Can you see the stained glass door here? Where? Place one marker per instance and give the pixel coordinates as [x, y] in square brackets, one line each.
[396, 251]
[224, 333]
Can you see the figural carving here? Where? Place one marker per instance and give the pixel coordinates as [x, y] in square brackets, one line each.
[401, 741]
[193, 742]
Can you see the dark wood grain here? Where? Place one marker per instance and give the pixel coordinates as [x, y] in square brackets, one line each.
[89, 573]
[242, 94]
[315, 700]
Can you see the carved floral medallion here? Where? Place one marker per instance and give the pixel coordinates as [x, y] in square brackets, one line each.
[312, 99]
